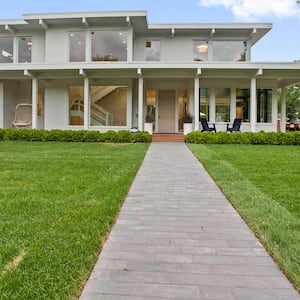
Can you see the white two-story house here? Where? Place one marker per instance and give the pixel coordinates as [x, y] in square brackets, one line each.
[113, 70]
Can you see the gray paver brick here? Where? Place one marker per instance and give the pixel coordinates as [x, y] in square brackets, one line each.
[177, 237]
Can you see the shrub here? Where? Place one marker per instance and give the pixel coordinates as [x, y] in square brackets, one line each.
[141, 137]
[254, 138]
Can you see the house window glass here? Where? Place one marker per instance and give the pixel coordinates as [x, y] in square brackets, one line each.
[222, 104]
[229, 50]
[243, 104]
[200, 50]
[264, 105]
[109, 45]
[204, 103]
[151, 107]
[77, 46]
[108, 105]
[183, 108]
[152, 50]
[6, 49]
[25, 46]
[76, 105]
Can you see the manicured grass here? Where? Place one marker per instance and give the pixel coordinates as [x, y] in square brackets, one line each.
[57, 204]
[263, 183]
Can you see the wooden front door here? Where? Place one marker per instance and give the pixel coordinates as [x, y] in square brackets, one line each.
[166, 111]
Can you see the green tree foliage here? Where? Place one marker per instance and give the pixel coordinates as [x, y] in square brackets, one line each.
[292, 101]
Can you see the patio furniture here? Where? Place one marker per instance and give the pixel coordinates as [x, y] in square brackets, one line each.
[23, 116]
[235, 126]
[205, 126]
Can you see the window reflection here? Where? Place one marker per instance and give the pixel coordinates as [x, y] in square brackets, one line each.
[243, 104]
[222, 105]
[77, 46]
[229, 50]
[152, 50]
[109, 45]
[6, 49]
[200, 50]
[264, 105]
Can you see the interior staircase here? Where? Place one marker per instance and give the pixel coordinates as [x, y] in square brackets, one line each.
[168, 137]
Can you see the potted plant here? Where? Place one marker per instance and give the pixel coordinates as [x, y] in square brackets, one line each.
[187, 123]
[148, 126]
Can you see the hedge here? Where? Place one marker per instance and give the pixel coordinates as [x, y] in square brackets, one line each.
[56, 135]
[254, 138]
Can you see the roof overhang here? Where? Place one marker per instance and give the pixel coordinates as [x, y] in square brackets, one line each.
[285, 73]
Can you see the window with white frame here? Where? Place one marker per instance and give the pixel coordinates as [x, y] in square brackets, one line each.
[6, 49]
[222, 104]
[109, 45]
[152, 50]
[229, 50]
[264, 105]
[24, 49]
[77, 46]
[200, 50]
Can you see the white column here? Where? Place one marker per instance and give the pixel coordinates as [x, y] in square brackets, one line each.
[86, 99]
[140, 103]
[34, 102]
[196, 103]
[253, 105]
[283, 109]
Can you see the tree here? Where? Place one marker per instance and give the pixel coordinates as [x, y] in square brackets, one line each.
[292, 101]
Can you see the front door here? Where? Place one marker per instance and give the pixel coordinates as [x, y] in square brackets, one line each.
[166, 111]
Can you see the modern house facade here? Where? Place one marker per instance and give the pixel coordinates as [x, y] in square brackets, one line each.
[113, 70]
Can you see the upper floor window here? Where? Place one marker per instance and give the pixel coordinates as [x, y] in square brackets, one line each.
[77, 46]
[109, 45]
[229, 50]
[152, 50]
[200, 50]
[6, 49]
[24, 49]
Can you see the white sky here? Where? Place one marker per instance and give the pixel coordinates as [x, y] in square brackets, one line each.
[282, 43]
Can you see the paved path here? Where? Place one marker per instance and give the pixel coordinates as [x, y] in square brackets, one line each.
[177, 237]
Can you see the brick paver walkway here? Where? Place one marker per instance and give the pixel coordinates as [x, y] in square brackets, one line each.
[177, 237]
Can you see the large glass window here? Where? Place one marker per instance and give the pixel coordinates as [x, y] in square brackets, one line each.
[25, 46]
[229, 50]
[200, 50]
[204, 103]
[151, 107]
[222, 104]
[108, 105]
[77, 46]
[76, 105]
[184, 113]
[6, 49]
[109, 45]
[243, 104]
[264, 105]
[152, 50]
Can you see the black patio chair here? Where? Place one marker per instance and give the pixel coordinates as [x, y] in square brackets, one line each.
[205, 126]
[235, 126]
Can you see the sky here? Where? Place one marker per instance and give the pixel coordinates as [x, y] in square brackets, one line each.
[281, 44]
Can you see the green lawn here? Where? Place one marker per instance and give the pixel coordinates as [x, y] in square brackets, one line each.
[57, 204]
[263, 183]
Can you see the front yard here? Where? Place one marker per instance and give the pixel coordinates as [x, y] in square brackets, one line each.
[57, 204]
[263, 183]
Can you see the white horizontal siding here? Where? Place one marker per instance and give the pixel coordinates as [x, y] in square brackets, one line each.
[56, 108]
[57, 46]
[38, 47]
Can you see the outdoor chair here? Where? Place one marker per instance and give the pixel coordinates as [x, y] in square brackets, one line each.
[205, 126]
[235, 126]
[23, 116]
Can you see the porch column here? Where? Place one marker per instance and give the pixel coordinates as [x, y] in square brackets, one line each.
[140, 103]
[196, 103]
[86, 104]
[34, 102]
[283, 109]
[253, 105]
